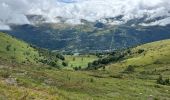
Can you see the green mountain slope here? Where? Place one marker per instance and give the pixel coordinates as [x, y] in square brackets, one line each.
[30, 82]
[157, 52]
[12, 49]
[149, 60]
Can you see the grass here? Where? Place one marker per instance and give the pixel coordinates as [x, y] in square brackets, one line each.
[15, 50]
[27, 82]
[79, 61]
[154, 61]
[52, 84]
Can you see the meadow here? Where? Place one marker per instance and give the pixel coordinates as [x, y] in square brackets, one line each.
[135, 77]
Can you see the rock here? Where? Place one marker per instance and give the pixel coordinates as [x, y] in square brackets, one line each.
[11, 81]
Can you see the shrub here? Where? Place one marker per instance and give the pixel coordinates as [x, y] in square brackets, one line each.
[77, 68]
[162, 81]
[91, 80]
[14, 49]
[130, 69]
[104, 67]
[8, 47]
[74, 58]
[157, 62]
[64, 63]
[140, 51]
[60, 56]
[167, 82]
[53, 64]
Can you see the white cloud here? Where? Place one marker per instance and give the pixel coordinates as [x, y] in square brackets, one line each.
[4, 27]
[162, 22]
[14, 11]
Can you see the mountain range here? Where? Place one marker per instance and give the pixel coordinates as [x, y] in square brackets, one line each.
[88, 36]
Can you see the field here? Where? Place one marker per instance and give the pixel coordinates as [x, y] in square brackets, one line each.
[50, 84]
[79, 60]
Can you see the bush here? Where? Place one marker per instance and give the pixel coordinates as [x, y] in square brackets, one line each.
[130, 69]
[140, 51]
[167, 82]
[60, 56]
[64, 63]
[14, 49]
[104, 68]
[53, 64]
[74, 58]
[162, 81]
[77, 68]
[8, 47]
[91, 80]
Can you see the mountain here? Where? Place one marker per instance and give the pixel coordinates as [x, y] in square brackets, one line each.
[89, 36]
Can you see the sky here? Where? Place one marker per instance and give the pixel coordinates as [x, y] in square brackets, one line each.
[15, 11]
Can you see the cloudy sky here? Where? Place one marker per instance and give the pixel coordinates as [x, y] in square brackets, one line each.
[14, 11]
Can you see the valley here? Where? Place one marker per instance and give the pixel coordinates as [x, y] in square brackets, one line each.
[138, 73]
[84, 50]
[89, 37]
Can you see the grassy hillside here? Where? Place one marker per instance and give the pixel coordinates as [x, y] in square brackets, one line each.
[149, 60]
[12, 49]
[27, 82]
[15, 51]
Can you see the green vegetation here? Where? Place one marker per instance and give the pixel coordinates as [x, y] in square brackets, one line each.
[160, 80]
[15, 51]
[80, 60]
[140, 73]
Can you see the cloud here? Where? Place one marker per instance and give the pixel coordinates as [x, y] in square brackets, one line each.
[15, 11]
[4, 27]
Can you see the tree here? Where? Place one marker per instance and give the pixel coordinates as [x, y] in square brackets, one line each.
[53, 64]
[79, 68]
[140, 51]
[60, 56]
[8, 47]
[75, 68]
[64, 63]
